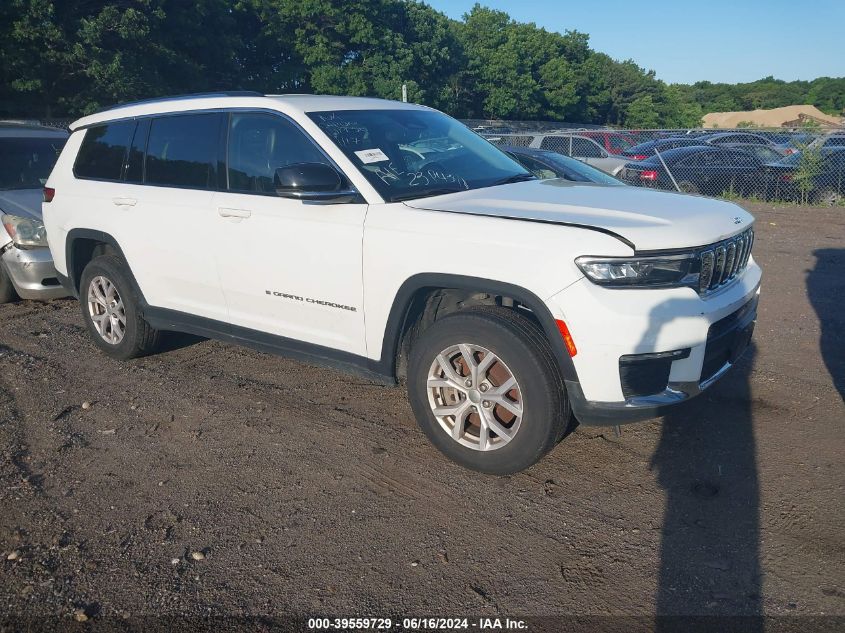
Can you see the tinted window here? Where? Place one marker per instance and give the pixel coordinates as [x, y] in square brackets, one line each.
[585, 148]
[135, 159]
[559, 144]
[835, 141]
[182, 151]
[103, 151]
[25, 163]
[261, 143]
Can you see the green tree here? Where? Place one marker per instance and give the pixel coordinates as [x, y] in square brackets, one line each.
[642, 113]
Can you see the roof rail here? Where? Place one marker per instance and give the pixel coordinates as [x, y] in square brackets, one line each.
[197, 95]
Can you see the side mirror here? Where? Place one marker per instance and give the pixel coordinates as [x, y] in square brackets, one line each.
[314, 182]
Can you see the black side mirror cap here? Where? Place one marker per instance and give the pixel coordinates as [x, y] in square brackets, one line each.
[316, 182]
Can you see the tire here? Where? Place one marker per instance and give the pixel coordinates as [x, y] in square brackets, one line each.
[829, 197]
[688, 187]
[137, 337]
[522, 352]
[7, 290]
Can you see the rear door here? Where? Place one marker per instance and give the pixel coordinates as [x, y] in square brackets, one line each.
[166, 208]
[287, 267]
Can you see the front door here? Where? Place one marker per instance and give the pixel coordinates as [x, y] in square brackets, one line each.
[287, 267]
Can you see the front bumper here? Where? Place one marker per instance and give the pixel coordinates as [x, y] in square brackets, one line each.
[32, 272]
[608, 325]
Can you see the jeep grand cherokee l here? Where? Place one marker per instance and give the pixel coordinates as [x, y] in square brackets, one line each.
[389, 239]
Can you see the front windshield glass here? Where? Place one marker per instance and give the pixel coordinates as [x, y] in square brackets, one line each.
[25, 163]
[588, 173]
[408, 154]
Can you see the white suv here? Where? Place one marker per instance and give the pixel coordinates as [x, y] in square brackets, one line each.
[387, 238]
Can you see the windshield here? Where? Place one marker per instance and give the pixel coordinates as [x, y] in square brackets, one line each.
[408, 154]
[25, 163]
[588, 173]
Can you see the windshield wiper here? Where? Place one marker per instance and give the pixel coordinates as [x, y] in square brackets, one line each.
[514, 178]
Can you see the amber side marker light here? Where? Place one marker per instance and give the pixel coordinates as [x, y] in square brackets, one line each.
[567, 337]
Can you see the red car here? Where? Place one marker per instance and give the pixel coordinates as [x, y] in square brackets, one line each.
[614, 142]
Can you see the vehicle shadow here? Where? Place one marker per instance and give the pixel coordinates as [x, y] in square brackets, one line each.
[172, 341]
[706, 462]
[826, 288]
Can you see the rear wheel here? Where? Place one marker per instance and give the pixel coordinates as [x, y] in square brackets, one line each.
[688, 187]
[485, 389]
[111, 310]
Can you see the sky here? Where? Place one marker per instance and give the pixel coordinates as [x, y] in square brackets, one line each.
[684, 41]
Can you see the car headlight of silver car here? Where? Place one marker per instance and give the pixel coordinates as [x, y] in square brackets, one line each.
[653, 271]
[25, 232]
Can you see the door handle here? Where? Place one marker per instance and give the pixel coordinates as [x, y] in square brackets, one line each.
[124, 202]
[224, 212]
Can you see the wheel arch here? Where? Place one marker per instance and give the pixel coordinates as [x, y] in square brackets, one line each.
[82, 245]
[416, 290]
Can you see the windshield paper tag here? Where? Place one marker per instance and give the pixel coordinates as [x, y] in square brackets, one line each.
[371, 155]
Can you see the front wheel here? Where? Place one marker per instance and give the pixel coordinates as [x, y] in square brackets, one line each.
[485, 389]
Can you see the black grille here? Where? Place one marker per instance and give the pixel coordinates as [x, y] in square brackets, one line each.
[728, 338]
[722, 262]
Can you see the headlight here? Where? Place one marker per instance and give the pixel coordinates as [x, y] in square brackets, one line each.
[25, 231]
[659, 271]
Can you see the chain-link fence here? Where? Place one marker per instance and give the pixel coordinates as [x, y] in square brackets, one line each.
[805, 166]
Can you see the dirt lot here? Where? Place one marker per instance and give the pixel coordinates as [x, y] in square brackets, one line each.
[305, 491]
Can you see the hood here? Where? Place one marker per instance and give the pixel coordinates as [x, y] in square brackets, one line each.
[22, 202]
[647, 219]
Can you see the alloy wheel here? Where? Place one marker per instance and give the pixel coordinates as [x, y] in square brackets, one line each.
[106, 309]
[475, 397]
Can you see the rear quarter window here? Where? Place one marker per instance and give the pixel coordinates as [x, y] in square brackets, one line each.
[103, 151]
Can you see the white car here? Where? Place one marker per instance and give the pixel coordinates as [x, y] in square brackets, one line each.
[572, 144]
[303, 225]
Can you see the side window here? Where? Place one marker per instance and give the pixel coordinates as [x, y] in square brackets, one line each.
[559, 144]
[835, 141]
[182, 151]
[103, 151]
[584, 148]
[135, 158]
[261, 143]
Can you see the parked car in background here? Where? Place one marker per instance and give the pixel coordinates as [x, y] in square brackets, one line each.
[613, 141]
[827, 187]
[545, 164]
[732, 138]
[648, 148]
[573, 144]
[709, 170]
[27, 155]
[831, 140]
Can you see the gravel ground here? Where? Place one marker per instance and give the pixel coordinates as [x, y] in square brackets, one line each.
[212, 481]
